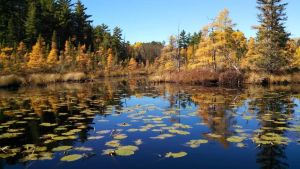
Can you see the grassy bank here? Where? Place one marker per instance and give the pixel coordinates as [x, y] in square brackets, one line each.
[200, 77]
[42, 79]
[226, 78]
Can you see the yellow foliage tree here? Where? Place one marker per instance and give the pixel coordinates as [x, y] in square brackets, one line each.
[21, 52]
[220, 46]
[5, 57]
[248, 62]
[109, 61]
[52, 57]
[297, 57]
[67, 52]
[81, 58]
[36, 57]
[293, 54]
[132, 65]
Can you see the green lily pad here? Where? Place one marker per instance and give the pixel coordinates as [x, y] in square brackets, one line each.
[196, 143]
[70, 158]
[175, 155]
[235, 139]
[7, 155]
[180, 132]
[163, 136]
[120, 136]
[113, 143]
[95, 137]
[48, 124]
[126, 150]
[61, 148]
[83, 149]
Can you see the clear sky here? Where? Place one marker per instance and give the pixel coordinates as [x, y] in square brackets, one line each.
[148, 20]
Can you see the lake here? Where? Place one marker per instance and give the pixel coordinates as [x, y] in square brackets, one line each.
[120, 124]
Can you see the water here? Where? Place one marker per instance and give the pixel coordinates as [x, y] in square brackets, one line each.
[250, 128]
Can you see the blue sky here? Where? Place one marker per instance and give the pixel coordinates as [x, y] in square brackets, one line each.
[148, 20]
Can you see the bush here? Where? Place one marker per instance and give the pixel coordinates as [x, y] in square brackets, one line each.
[231, 78]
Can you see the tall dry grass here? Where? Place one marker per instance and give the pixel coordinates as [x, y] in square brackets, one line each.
[11, 81]
[74, 77]
[196, 76]
[266, 78]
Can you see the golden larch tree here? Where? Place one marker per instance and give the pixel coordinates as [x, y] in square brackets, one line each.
[52, 57]
[109, 61]
[132, 65]
[81, 58]
[36, 57]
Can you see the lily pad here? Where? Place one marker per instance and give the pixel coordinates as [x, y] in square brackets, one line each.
[48, 124]
[113, 143]
[196, 143]
[126, 150]
[70, 158]
[61, 148]
[120, 136]
[175, 155]
[180, 132]
[235, 139]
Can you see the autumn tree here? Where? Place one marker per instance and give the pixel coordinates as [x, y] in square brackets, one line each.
[37, 56]
[272, 37]
[248, 62]
[52, 57]
[81, 58]
[21, 52]
[169, 57]
[297, 58]
[109, 62]
[132, 64]
[221, 47]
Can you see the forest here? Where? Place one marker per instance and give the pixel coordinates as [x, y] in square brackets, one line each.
[44, 41]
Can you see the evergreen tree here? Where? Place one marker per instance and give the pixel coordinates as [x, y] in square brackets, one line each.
[82, 25]
[272, 37]
[31, 24]
[64, 21]
[183, 40]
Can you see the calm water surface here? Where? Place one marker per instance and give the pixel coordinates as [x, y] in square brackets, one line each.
[133, 124]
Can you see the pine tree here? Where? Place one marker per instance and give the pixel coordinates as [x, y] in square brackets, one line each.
[11, 33]
[36, 57]
[52, 57]
[31, 24]
[183, 40]
[82, 27]
[272, 37]
[64, 21]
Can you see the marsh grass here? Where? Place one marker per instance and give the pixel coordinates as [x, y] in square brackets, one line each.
[42, 79]
[204, 77]
[265, 78]
[11, 81]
